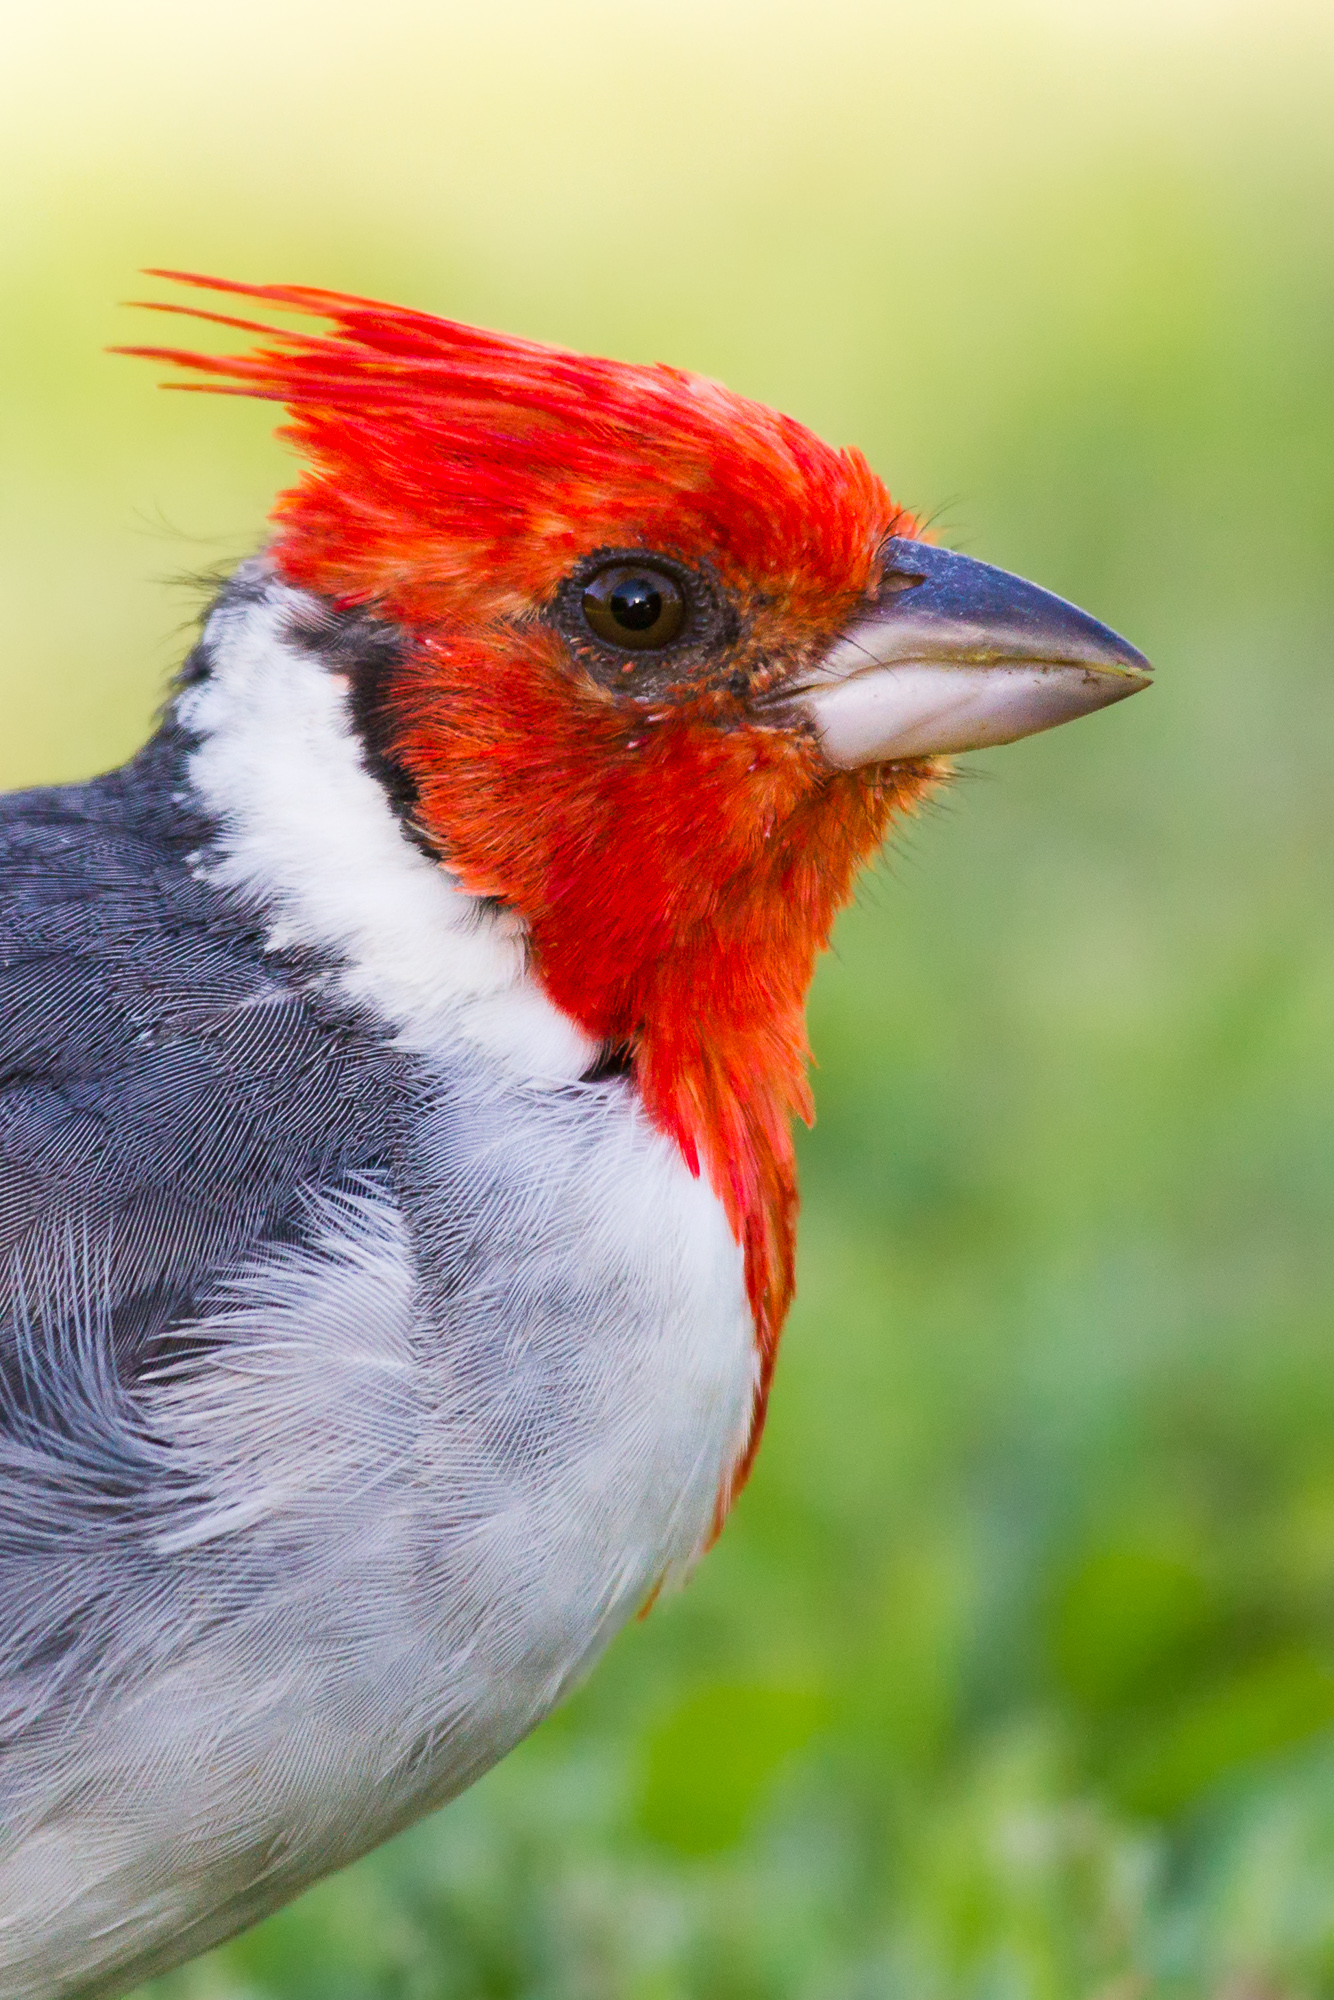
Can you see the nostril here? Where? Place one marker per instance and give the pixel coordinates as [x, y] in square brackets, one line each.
[895, 580]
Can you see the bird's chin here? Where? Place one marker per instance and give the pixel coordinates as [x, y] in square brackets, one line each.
[956, 655]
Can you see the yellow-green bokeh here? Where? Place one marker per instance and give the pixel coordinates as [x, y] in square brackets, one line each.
[1014, 1673]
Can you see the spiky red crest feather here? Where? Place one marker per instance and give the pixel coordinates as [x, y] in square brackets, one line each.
[445, 459]
[677, 864]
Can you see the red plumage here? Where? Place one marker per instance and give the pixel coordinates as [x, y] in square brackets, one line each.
[678, 866]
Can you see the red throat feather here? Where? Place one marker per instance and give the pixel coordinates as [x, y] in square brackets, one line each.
[678, 866]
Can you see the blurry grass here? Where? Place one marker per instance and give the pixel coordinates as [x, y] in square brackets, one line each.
[1013, 1676]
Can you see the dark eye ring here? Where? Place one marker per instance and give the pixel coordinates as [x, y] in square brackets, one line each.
[633, 606]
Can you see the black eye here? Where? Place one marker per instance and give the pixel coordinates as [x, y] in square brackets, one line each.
[633, 606]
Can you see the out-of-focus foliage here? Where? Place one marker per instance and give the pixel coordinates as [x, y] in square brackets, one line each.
[1013, 1675]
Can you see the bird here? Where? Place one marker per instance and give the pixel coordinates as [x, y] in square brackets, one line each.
[399, 1059]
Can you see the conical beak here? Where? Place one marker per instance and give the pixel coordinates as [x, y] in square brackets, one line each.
[955, 655]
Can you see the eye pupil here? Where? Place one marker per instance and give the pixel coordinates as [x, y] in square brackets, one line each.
[636, 604]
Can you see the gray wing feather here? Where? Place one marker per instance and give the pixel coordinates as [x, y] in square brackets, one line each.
[172, 1099]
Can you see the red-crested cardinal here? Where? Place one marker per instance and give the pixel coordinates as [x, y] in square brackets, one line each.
[397, 1065]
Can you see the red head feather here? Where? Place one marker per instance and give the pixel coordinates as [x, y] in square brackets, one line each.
[678, 864]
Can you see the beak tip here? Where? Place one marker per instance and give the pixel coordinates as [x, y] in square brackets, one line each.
[1131, 674]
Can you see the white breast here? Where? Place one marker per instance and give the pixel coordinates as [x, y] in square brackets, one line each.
[430, 1532]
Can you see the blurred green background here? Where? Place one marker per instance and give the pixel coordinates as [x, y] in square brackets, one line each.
[1013, 1675]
